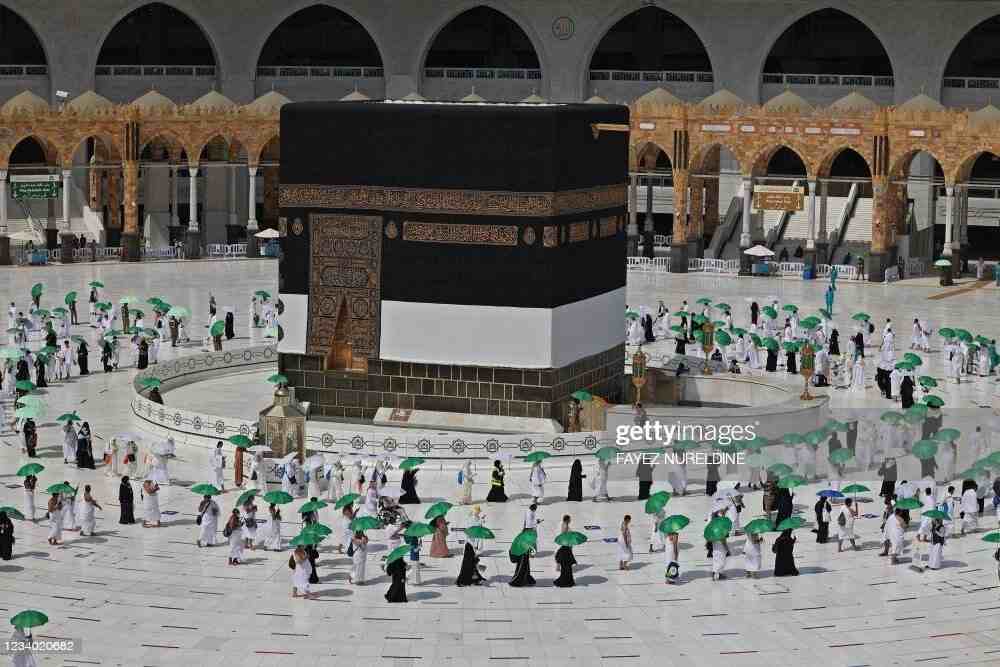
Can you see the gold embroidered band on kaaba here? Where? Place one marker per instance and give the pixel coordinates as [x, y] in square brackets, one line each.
[466, 202]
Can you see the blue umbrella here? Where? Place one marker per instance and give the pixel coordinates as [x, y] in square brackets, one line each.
[830, 493]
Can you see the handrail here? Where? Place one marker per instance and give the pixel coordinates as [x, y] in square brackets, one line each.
[677, 76]
[779, 229]
[724, 232]
[505, 73]
[854, 80]
[970, 82]
[155, 70]
[24, 70]
[837, 234]
[278, 71]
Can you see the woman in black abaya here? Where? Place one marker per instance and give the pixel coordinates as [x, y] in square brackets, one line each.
[522, 573]
[142, 362]
[834, 343]
[81, 358]
[772, 361]
[906, 392]
[565, 560]
[575, 482]
[397, 589]
[409, 486]
[126, 500]
[469, 574]
[497, 494]
[231, 332]
[784, 558]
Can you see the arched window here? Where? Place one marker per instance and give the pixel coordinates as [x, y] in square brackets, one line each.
[828, 42]
[156, 34]
[651, 39]
[976, 55]
[320, 36]
[482, 37]
[19, 45]
[786, 162]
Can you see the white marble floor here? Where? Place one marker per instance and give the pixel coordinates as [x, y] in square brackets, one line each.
[150, 597]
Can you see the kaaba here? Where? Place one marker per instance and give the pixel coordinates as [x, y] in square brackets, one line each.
[454, 257]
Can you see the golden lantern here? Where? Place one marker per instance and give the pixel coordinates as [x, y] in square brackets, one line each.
[707, 344]
[283, 425]
[639, 360]
[807, 367]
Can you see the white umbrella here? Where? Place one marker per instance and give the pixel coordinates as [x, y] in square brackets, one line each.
[314, 461]
[288, 457]
[24, 236]
[268, 234]
[759, 251]
[259, 449]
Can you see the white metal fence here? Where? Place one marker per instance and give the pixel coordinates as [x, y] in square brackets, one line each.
[227, 249]
[166, 252]
[732, 267]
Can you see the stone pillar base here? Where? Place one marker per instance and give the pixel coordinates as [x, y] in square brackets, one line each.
[809, 258]
[632, 246]
[679, 259]
[192, 244]
[67, 241]
[130, 248]
[5, 258]
[253, 245]
[746, 263]
[51, 239]
[822, 251]
[696, 248]
[876, 264]
[648, 249]
[957, 255]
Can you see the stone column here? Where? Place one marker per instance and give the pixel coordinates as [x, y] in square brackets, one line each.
[130, 227]
[679, 237]
[696, 218]
[960, 237]
[949, 204]
[231, 183]
[711, 206]
[633, 216]
[253, 246]
[822, 235]
[745, 241]
[193, 239]
[882, 254]
[175, 204]
[5, 259]
[810, 253]
[66, 236]
[271, 197]
[156, 189]
[649, 226]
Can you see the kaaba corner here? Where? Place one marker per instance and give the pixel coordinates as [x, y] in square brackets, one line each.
[452, 257]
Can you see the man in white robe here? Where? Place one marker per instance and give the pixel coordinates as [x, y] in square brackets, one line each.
[970, 511]
[537, 481]
[217, 462]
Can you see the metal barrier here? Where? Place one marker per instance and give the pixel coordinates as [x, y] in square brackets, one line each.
[791, 268]
[661, 240]
[661, 265]
[168, 252]
[845, 272]
[729, 266]
[915, 266]
[227, 249]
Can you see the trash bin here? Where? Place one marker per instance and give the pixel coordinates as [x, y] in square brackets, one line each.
[809, 273]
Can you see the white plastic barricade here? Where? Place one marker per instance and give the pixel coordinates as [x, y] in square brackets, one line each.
[696, 264]
[791, 268]
[846, 272]
[661, 265]
[822, 270]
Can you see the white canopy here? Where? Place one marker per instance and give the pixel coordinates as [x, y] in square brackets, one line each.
[759, 251]
[268, 234]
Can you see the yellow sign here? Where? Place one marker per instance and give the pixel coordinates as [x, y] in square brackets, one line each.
[778, 198]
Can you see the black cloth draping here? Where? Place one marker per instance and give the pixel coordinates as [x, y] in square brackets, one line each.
[409, 486]
[126, 499]
[784, 557]
[522, 573]
[397, 589]
[566, 561]
[497, 494]
[575, 482]
[469, 574]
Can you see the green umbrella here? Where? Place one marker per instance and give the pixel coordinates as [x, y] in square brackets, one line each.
[992, 537]
[150, 383]
[60, 312]
[791, 523]
[705, 301]
[180, 312]
[411, 462]
[656, 503]
[278, 498]
[61, 487]
[12, 512]
[756, 340]
[699, 335]
[69, 298]
[908, 504]
[983, 340]
[33, 401]
[437, 509]
[780, 469]
[918, 408]
[673, 524]
[25, 385]
[841, 456]
[30, 469]
[12, 353]
[770, 312]
[95, 283]
[722, 338]
[36, 290]
[69, 417]
[891, 417]
[241, 441]
[365, 523]
[113, 333]
[904, 365]
[942, 263]
[312, 506]
[29, 618]
[245, 496]
[397, 553]
[835, 425]
[964, 335]
[718, 529]
[946, 332]
[678, 329]
[217, 329]
[790, 308]
[758, 526]
[933, 401]
[607, 453]
[162, 307]
[278, 378]
[129, 300]
[754, 444]
[947, 435]
[205, 490]
[759, 460]
[825, 313]
[809, 324]
[479, 533]
[793, 439]
[814, 438]
[29, 412]
[859, 317]
[994, 458]
[417, 529]
[791, 481]
[725, 307]
[305, 538]
[924, 449]
[77, 339]
[570, 539]
[771, 344]
[934, 514]
[535, 457]
[102, 305]
[631, 315]
[912, 358]
[739, 332]
[343, 501]
[581, 395]
[855, 488]
[526, 540]
[684, 445]
[914, 417]
[317, 528]
[262, 294]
